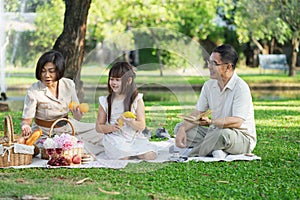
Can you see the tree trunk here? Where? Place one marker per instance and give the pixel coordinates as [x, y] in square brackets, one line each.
[259, 46]
[272, 45]
[158, 54]
[71, 42]
[295, 43]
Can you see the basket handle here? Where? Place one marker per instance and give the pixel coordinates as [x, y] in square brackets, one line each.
[9, 129]
[62, 119]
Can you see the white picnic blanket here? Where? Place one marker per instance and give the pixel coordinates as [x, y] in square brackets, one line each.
[163, 156]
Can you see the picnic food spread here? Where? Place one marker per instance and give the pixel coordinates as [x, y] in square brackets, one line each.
[61, 150]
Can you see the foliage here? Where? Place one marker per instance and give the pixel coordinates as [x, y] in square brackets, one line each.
[288, 12]
[260, 20]
[14, 5]
[292, 18]
[219, 21]
[195, 18]
[189, 18]
[48, 28]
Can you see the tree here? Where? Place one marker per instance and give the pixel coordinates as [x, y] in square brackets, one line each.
[71, 42]
[290, 14]
[269, 20]
[192, 18]
[136, 14]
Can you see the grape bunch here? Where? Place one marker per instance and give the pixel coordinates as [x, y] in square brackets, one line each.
[60, 161]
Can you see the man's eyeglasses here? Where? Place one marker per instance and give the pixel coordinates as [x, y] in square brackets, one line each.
[213, 63]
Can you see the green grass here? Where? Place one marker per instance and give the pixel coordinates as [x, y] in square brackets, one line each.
[98, 76]
[276, 176]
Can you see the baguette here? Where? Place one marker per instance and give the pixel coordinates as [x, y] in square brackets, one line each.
[34, 137]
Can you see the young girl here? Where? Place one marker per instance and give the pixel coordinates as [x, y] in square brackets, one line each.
[123, 141]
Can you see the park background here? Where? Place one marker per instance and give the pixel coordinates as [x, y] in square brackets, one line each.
[175, 35]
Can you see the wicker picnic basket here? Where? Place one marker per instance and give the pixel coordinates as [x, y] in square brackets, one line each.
[8, 157]
[72, 152]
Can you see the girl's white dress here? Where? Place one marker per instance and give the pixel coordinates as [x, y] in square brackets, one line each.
[127, 141]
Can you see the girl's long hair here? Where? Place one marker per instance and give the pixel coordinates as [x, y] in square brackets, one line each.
[124, 71]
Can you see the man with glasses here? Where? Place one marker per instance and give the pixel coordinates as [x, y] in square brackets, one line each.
[231, 128]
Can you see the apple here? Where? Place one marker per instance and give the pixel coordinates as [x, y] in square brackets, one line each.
[68, 159]
[76, 159]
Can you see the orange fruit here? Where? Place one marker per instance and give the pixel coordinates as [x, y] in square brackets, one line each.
[84, 107]
[73, 105]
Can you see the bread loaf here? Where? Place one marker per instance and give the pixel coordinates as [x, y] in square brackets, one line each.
[34, 137]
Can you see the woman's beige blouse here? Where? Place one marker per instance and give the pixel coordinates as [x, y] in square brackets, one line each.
[42, 104]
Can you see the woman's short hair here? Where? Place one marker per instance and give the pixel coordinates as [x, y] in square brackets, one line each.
[54, 57]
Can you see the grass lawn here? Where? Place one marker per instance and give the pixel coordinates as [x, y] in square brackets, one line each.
[276, 176]
[98, 75]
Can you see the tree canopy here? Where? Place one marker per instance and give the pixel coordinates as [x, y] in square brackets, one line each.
[266, 25]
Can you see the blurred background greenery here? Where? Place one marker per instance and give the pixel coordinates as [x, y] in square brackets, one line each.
[252, 27]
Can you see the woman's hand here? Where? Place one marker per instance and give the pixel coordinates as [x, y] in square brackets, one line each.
[26, 130]
[25, 127]
[77, 114]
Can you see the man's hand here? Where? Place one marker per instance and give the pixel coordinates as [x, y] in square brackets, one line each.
[180, 140]
[204, 121]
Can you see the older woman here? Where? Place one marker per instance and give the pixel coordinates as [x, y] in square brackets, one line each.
[47, 100]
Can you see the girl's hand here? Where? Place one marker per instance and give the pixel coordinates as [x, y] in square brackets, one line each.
[113, 128]
[127, 121]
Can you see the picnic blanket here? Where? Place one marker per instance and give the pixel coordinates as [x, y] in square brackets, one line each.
[164, 155]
